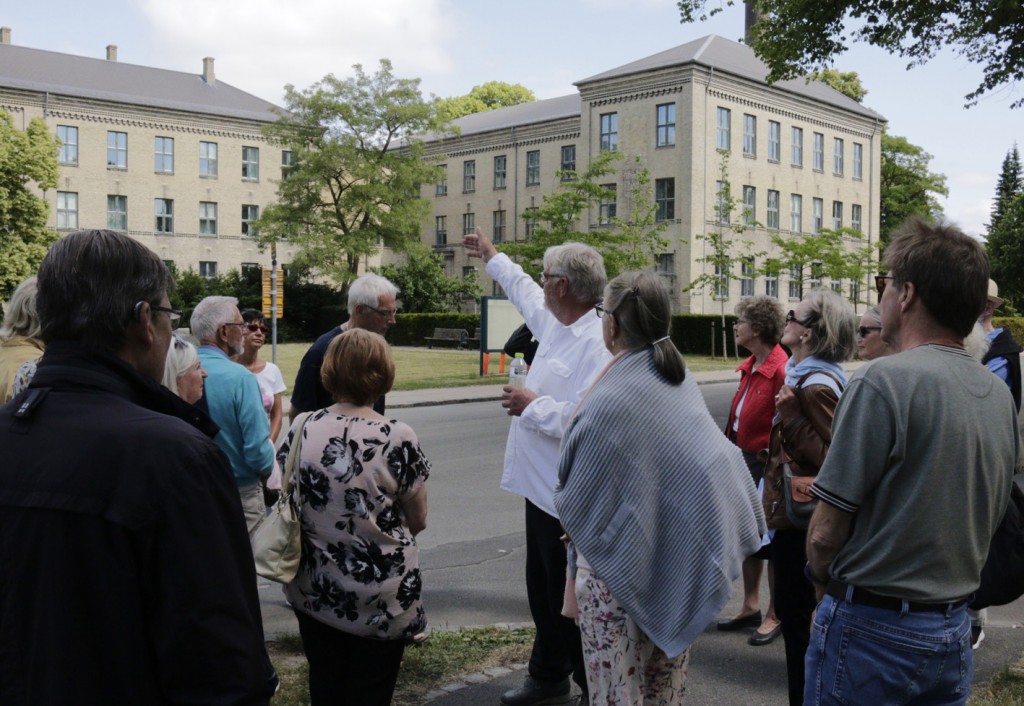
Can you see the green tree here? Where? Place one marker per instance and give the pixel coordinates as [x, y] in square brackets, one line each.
[796, 37]
[1006, 252]
[357, 165]
[825, 254]
[846, 82]
[907, 186]
[628, 240]
[28, 161]
[486, 96]
[425, 288]
[1008, 186]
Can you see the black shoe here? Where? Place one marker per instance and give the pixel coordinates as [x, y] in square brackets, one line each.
[747, 621]
[537, 693]
[765, 638]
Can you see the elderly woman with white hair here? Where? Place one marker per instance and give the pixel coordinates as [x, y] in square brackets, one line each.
[20, 340]
[183, 373]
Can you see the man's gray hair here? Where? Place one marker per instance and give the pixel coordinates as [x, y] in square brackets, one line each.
[582, 266]
[368, 289]
[210, 314]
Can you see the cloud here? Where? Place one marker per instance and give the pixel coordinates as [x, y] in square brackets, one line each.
[262, 45]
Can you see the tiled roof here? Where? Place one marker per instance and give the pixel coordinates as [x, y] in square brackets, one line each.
[100, 79]
[523, 114]
[732, 57]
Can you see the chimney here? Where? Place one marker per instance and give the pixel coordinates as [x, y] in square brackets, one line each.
[208, 76]
[751, 16]
[111, 52]
[5, 35]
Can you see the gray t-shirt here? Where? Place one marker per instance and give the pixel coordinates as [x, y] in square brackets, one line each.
[924, 447]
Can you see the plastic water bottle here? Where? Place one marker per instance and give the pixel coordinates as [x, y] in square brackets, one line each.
[517, 372]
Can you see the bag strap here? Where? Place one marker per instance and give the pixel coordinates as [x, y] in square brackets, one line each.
[800, 382]
[291, 464]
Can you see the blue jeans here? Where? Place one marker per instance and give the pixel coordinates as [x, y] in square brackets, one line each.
[864, 655]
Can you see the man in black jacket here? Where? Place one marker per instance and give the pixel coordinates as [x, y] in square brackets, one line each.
[127, 576]
[1003, 356]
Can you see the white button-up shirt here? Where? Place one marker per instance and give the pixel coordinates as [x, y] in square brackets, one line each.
[568, 359]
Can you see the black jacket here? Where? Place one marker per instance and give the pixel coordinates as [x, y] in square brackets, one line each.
[126, 575]
[1004, 346]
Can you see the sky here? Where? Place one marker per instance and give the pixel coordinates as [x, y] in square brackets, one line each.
[546, 45]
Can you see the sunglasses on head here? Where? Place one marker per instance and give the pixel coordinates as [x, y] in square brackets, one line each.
[254, 327]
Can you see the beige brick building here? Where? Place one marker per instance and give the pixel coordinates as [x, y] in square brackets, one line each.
[175, 159]
[799, 157]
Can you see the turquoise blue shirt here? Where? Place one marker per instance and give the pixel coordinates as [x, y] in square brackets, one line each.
[235, 404]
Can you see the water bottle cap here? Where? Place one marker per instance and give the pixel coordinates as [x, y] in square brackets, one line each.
[520, 355]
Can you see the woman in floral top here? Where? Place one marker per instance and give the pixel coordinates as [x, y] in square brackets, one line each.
[363, 499]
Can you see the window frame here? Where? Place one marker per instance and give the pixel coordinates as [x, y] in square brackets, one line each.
[500, 171]
[796, 153]
[440, 230]
[796, 213]
[723, 129]
[609, 132]
[468, 222]
[838, 156]
[774, 141]
[665, 125]
[747, 276]
[468, 176]
[749, 135]
[119, 152]
[67, 210]
[818, 152]
[498, 220]
[568, 162]
[856, 217]
[250, 163]
[163, 154]
[817, 215]
[749, 215]
[166, 216]
[248, 220]
[207, 223]
[858, 160]
[772, 212]
[208, 165]
[67, 152]
[665, 199]
[120, 213]
[442, 186]
[837, 215]
[608, 207]
[533, 168]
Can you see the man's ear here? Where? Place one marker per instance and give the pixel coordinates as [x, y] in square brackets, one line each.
[141, 328]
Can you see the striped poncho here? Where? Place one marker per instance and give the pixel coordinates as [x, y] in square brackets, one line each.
[656, 498]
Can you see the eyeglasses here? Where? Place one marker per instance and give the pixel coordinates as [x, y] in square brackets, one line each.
[600, 310]
[863, 331]
[254, 327]
[546, 277]
[172, 314]
[386, 313]
[791, 318]
[880, 283]
[737, 322]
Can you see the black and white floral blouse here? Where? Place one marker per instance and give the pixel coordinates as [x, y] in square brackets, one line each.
[360, 563]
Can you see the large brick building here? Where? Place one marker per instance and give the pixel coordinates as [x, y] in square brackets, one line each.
[799, 156]
[175, 159]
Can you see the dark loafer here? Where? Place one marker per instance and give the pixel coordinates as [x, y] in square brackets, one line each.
[747, 621]
[758, 639]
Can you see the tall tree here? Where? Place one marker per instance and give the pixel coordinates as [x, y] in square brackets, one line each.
[425, 288]
[796, 37]
[357, 164]
[1008, 186]
[486, 96]
[846, 82]
[907, 186]
[1006, 252]
[28, 162]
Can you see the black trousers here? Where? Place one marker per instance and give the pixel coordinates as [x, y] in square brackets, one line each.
[557, 648]
[346, 670]
[794, 603]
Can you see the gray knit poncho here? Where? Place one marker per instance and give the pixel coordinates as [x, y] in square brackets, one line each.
[657, 499]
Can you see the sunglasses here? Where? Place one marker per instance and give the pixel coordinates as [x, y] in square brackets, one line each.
[253, 328]
[863, 331]
[880, 283]
[791, 318]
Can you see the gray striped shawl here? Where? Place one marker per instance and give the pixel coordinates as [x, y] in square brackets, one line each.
[656, 498]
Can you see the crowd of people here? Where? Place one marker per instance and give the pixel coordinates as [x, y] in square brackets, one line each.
[137, 465]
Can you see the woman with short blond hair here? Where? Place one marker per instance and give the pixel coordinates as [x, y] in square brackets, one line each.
[20, 340]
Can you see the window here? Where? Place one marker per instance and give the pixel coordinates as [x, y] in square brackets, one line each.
[819, 152]
[749, 135]
[500, 170]
[722, 136]
[610, 132]
[855, 216]
[747, 279]
[442, 186]
[67, 210]
[117, 212]
[722, 280]
[498, 227]
[665, 199]
[164, 209]
[837, 286]
[207, 159]
[773, 209]
[207, 218]
[250, 214]
[468, 271]
[797, 155]
[568, 162]
[722, 205]
[816, 271]
[533, 167]
[607, 206]
[530, 216]
[665, 135]
[207, 269]
[665, 264]
[117, 150]
[164, 155]
[771, 279]
[468, 223]
[251, 163]
[796, 281]
[749, 205]
[469, 176]
[858, 161]
[837, 157]
[817, 215]
[774, 141]
[441, 230]
[837, 215]
[287, 162]
[253, 267]
[796, 206]
[67, 153]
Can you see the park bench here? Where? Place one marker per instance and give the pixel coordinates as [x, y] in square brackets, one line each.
[458, 336]
[474, 340]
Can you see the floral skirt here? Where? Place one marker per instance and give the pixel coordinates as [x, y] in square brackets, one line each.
[624, 668]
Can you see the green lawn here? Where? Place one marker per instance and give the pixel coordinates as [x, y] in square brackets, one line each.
[419, 368]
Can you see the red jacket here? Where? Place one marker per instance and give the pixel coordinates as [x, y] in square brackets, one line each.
[761, 387]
